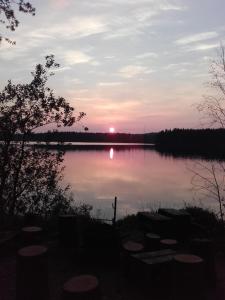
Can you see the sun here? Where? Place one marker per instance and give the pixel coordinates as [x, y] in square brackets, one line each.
[111, 130]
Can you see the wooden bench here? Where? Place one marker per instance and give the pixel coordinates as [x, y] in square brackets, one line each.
[153, 270]
[156, 223]
[181, 221]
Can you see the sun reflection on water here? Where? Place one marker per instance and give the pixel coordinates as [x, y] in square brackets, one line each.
[111, 153]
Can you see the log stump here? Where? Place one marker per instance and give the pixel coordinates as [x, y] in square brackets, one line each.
[205, 249]
[32, 273]
[152, 242]
[129, 248]
[169, 244]
[31, 235]
[188, 280]
[68, 231]
[181, 222]
[83, 287]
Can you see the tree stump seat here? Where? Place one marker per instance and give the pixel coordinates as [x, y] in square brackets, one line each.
[68, 230]
[83, 287]
[168, 243]
[31, 235]
[205, 248]
[132, 247]
[152, 241]
[129, 248]
[188, 277]
[32, 273]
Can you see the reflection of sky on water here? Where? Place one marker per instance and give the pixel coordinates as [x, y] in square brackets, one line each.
[141, 179]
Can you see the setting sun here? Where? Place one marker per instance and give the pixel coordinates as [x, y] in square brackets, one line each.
[111, 129]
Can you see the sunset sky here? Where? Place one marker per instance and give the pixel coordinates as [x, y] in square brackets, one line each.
[135, 65]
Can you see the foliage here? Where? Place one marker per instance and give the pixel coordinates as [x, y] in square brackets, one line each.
[213, 106]
[205, 218]
[208, 181]
[8, 17]
[71, 136]
[29, 176]
[82, 210]
[208, 178]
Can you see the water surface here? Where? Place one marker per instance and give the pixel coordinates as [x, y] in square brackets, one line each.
[141, 178]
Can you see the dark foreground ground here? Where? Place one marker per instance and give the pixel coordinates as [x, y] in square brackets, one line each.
[65, 263]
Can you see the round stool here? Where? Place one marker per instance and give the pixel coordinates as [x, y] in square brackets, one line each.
[205, 249]
[31, 235]
[68, 230]
[132, 247]
[152, 242]
[169, 244]
[129, 248]
[32, 273]
[83, 287]
[188, 280]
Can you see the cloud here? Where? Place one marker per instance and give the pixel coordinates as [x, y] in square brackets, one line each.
[197, 38]
[177, 65]
[116, 83]
[131, 71]
[60, 3]
[77, 57]
[147, 55]
[169, 6]
[140, 17]
[75, 28]
[202, 47]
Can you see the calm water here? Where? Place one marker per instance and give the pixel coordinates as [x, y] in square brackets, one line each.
[140, 178]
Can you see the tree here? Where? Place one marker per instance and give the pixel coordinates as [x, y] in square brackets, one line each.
[8, 17]
[213, 106]
[208, 181]
[209, 178]
[29, 175]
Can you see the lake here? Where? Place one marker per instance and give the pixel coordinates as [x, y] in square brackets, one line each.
[139, 176]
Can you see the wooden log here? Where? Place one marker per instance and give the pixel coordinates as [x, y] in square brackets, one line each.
[158, 223]
[31, 235]
[153, 270]
[205, 249]
[132, 247]
[153, 254]
[169, 244]
[83, 287]
[152, 242]
[129, 248]
[68, 231]
[181, 221]
[188, 277]
[32, 273]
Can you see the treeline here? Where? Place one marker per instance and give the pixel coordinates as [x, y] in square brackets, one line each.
[69, 137]
[209, 142]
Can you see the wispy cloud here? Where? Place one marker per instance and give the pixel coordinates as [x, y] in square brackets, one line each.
[75, 28]
[169, 6]
[147, 55]
[202, 47]
[197, 38]
[177, 65]
[116, 83]
[131, 71]
[77, 57]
